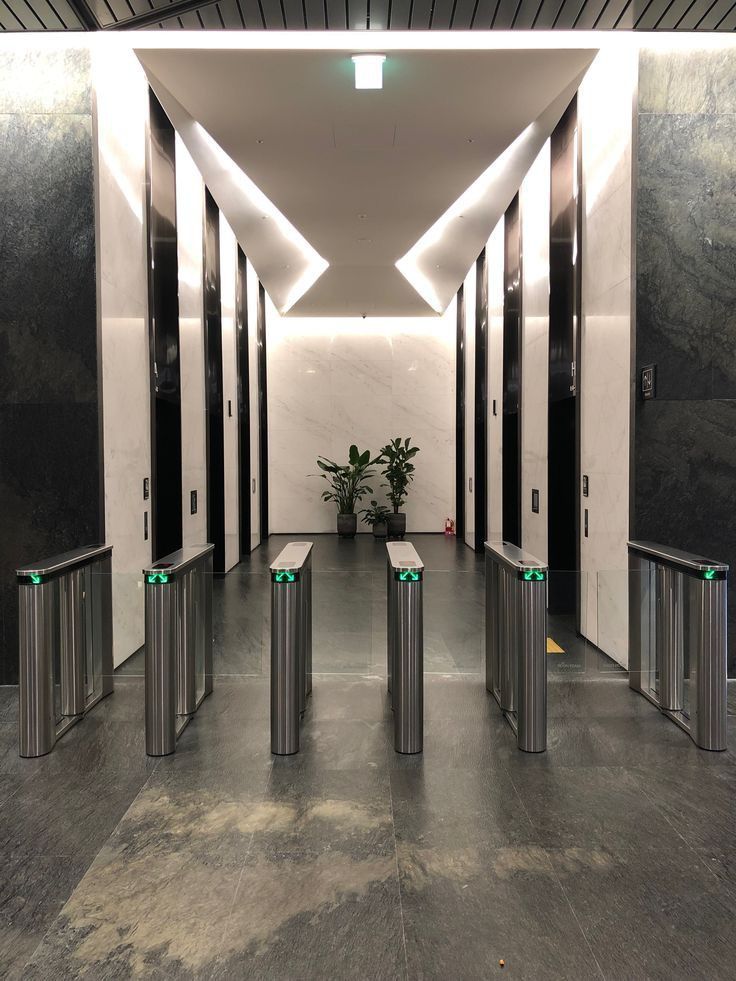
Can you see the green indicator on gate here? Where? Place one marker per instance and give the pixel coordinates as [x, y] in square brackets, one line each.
[157, 577]
[284, 575]
[709, 574]
[534, 575]
[36, 580]
[409, 575]
[713, 574]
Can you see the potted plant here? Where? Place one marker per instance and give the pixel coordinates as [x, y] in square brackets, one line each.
[399, 473]
[376, 516]
[347, 483]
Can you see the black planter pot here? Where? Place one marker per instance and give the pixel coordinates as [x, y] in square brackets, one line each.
[347, 525]
[396, 523]
[380, 529]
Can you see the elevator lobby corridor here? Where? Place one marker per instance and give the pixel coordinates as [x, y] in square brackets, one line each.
[610, 855]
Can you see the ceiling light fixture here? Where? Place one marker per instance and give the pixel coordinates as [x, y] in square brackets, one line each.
[369, 71]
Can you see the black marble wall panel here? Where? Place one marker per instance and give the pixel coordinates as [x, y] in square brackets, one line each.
[50, 433]
[685, 439]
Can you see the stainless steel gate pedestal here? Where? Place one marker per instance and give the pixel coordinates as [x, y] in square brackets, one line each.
[291, 644]
[178, 643]
[405, 645]
[65, 641]
[678, 638]
[516, 641]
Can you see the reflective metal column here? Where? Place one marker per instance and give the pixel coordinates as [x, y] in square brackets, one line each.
[65, 644]
[516, 641]
[405, 637]
[291, 644]
[678, 638]
[178, 669]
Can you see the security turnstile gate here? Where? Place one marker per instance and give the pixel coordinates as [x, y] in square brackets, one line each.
[516, 641]
[405, 645]
[66, 665]
[677, 638]
[291, 644]
[178, 643]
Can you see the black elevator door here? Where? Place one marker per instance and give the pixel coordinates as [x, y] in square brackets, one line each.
[511, 467]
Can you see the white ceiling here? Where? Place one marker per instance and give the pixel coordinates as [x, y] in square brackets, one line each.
[363, 174]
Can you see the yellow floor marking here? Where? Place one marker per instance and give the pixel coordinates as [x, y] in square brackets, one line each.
[553, 648]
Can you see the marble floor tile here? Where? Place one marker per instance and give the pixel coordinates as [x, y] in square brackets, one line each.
[470, 906]
[608, 856]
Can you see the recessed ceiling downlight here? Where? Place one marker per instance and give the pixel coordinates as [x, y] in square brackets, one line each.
[369, 71]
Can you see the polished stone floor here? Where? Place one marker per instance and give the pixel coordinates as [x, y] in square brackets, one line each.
[610, 856]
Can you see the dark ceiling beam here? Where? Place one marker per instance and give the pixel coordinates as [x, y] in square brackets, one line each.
[84, 15]
[152, 17]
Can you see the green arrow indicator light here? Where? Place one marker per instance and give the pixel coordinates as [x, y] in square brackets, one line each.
[534, 575]
[408, 575]
[284, 576]
[156, 578]
[36, 579]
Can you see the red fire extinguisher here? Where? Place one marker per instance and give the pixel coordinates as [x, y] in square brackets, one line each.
[449, 526]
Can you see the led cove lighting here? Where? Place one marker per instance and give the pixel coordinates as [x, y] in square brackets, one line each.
[369, 71]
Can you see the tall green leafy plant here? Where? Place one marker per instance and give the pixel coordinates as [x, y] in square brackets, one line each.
[347, 482]
[399, 470]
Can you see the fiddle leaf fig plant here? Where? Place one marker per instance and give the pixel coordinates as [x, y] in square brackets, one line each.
[347, 481]
[399, 470]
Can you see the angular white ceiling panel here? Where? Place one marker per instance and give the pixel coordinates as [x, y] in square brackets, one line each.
[364, 174]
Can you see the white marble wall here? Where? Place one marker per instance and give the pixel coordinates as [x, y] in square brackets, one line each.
[121, 108]
[255, 446]
[469, 289]
[333, 382]
[228, 285]
[494, 255]
[605, 114]
[534, 200]
[189, 228]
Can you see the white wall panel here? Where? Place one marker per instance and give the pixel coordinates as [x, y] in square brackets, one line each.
[469, 292]
[228, 284]
[335, 382]
[254, 491]
[605, 115]
[494, 255]
[534, 201]
[121, 108]
[189, 229]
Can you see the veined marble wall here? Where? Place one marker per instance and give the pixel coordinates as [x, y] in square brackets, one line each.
[494, 479]
[333, 382]
[121, 109]
[685, 438]
[605, 104]
[190, 237]
[50, 439]
[255, 460]
[469, 288]
[228, 285]
[534, 204]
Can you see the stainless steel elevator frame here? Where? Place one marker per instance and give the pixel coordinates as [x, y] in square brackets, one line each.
[291, 644]
[516, 641]
[405, 645]
[66, 664]
[678, 606]
[178, 643]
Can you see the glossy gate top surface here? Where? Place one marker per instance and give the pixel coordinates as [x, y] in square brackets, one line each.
[66, 560]
[292, 557]
[180, 560]
[403, 555]
[687, 561]
[513, 557]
